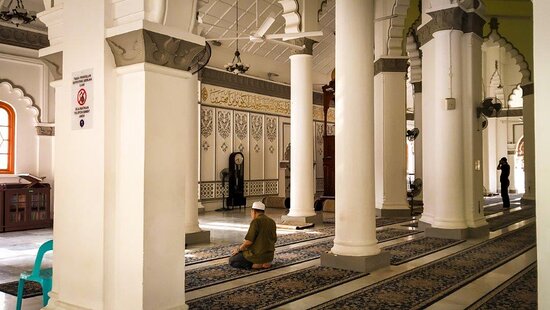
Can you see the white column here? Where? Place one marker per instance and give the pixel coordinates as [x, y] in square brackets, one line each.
[444, 171]
[354, 154]
[301, 137]
[541, 52]
[417, 97]
[54, 295]
[190, 159]
[390, 146]
[473, 138]
[529, 148]
[149, 231]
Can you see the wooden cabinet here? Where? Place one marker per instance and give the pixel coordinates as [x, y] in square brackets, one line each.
[24, 207]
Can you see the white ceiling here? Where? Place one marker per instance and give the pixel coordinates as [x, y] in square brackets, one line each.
[222, 14]
[31, 5]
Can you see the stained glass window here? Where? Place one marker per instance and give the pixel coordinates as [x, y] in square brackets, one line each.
[7, 134]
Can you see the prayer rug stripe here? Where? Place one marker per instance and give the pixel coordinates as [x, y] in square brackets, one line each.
[509, 218]
[31, 288]
[410, 250]
[219, 273]
[422, 286]
[518, 294]
[381, 221]
[276, 291]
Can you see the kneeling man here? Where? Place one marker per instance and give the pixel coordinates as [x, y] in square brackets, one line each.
[258, 247]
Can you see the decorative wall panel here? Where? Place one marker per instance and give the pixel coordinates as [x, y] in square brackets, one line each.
[271, 187]
[224, 139]
[256, 125]
[256, 146]
[319, 148]
[241, 138]
[214, 190]
[271, 142]
[241, 100]
[207, 144]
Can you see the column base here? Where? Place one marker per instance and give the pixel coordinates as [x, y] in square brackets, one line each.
[315, 219]
[356, 263]
[424, 225]
[403, 212]
[202, 236]
[457, 233]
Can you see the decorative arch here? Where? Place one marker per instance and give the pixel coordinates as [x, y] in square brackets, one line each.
[412, 47]
[17, 98]
[7, 138]
[495, 37]
[397, 25]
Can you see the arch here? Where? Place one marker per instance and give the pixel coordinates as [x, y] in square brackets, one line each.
[17, 98]
[7, 137]
[396, 27]
[412, 47]
[495, 37]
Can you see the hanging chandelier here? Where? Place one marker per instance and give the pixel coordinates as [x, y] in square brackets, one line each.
[237, 66]
[18, 15]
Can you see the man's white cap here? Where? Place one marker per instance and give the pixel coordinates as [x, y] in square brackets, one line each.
[258, 205]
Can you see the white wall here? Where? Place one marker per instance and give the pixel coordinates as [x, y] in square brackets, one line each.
[542, 148]
[25, 87]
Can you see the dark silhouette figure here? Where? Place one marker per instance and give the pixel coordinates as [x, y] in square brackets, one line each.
[504, 181]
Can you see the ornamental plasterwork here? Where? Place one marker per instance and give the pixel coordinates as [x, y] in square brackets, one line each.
[271, 128]
[256, 127]
[240, 100]
[319, 137]
[241, 125]
[224, 123]
[206, 122]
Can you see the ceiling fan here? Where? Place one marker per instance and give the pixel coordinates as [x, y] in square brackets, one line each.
[260, 35]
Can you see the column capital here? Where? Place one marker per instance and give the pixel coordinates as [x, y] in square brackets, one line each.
[390, 65]
[45, 130]
[54, 62]
[528, 89]
[417, 86]
[454, 18]
[308, 43]
[143, 45]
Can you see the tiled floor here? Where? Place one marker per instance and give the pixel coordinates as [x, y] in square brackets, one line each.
[17, 251]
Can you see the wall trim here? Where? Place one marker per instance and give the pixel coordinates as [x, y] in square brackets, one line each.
[249, 84]
[23, 38]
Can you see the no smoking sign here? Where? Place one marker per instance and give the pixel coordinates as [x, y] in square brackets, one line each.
[82, 94]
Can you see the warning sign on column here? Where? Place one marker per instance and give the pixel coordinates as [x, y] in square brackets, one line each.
[82, 98]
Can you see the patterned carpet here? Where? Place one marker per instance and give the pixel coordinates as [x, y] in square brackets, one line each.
[31, 288]
[219, 273]
[221, 251]
[520, 294]
[409, 250]
[509, 218]
[498, 208]
[422, 286]
[380, 221]
[276, 291]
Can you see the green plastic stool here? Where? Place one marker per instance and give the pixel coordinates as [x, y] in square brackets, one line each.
[42, 276]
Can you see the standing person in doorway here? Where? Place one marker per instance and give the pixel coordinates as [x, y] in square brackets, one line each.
[258, 247]
[504, 182]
